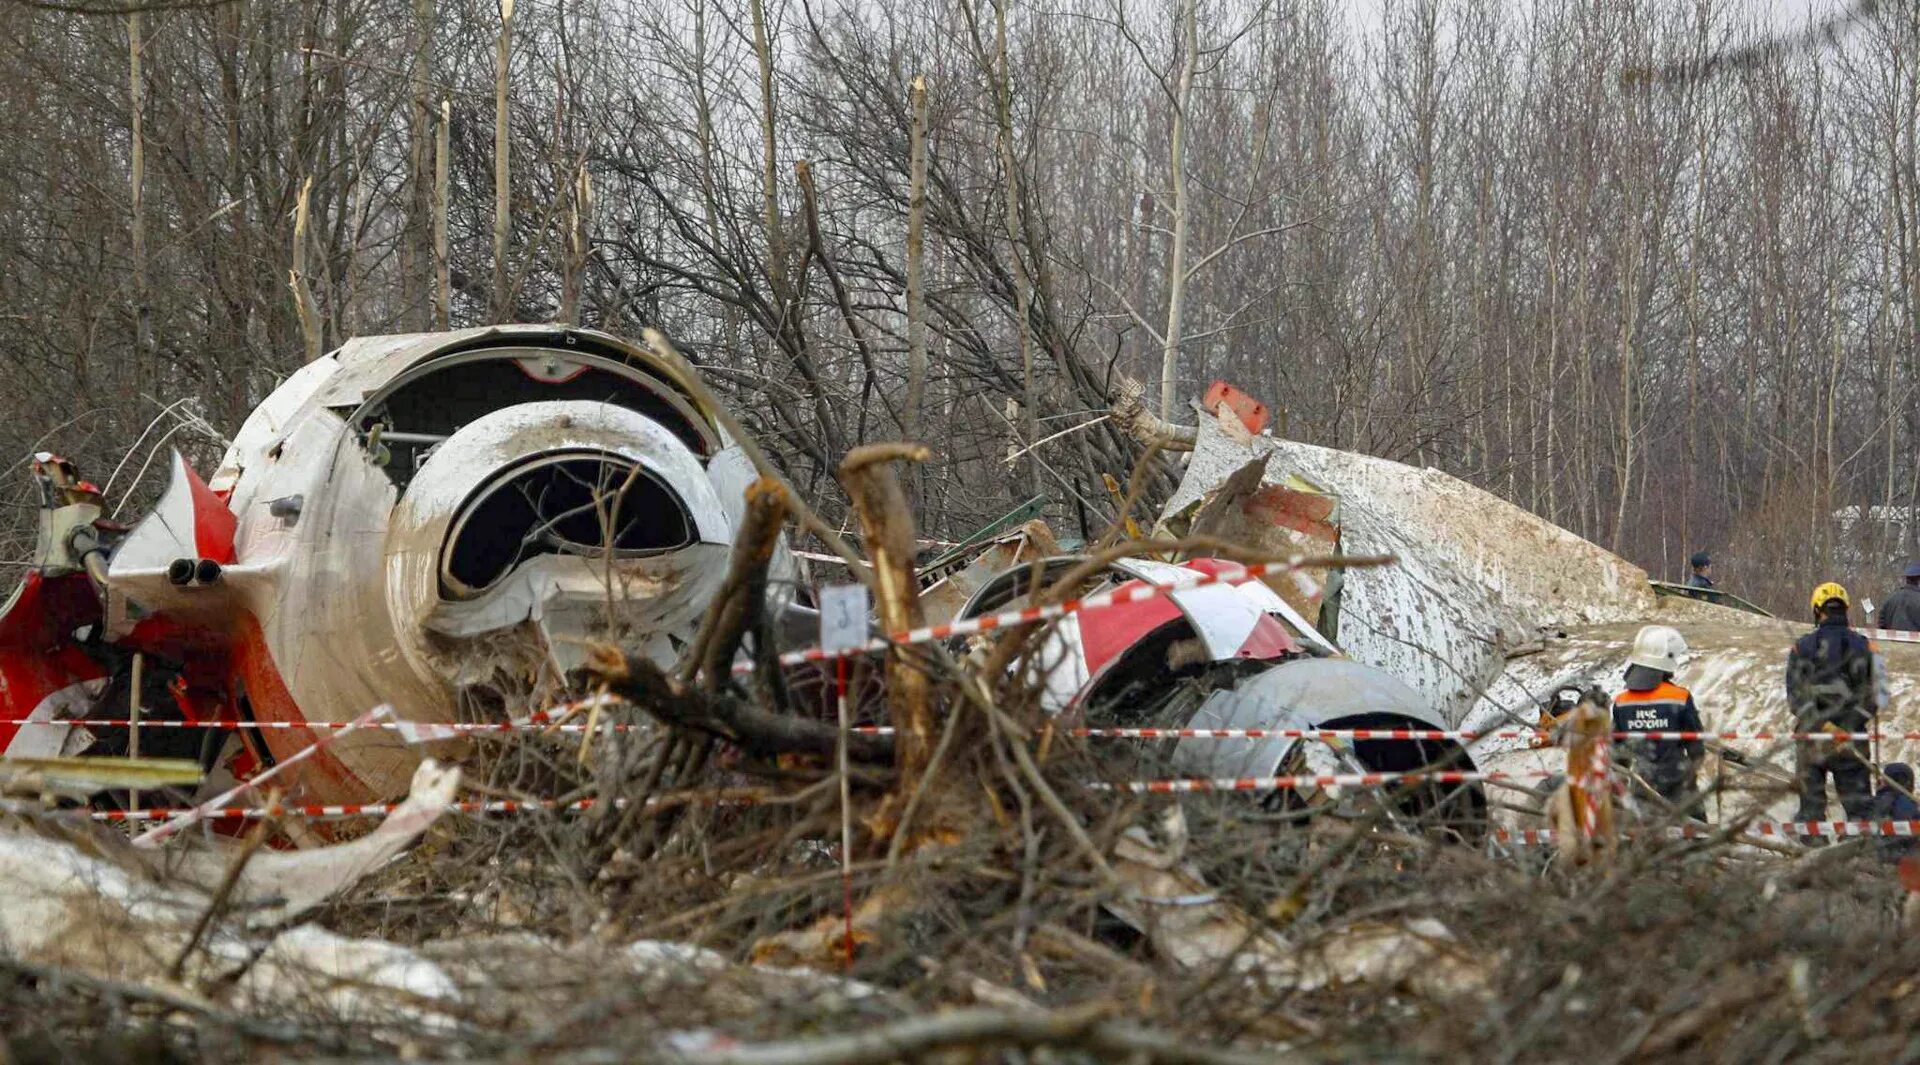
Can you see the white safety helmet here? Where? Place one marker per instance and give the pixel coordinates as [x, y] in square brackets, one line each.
[1660, 648]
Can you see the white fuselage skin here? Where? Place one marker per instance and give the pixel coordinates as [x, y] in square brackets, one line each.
[345, 590]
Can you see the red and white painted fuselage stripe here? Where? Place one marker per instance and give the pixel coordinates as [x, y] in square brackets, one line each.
[1132, 592]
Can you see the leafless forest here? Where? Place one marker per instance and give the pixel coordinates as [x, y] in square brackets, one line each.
[1665, 312]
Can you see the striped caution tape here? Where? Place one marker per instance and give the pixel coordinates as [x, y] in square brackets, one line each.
[413, 731]
[1319, 780]
[154, 836]
[550, 721]
[1771, 829]
[1460, 735]
[383, 809]
[1891, 635]
[1298, 734]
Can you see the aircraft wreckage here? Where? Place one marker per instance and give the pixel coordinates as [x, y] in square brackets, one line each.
[437, 521]
[421, 521]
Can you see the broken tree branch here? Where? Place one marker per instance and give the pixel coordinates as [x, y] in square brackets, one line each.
[742, 596]
[809, 201]
[887, 521]
[1131, 414]
[747, 726]
[911, 1039]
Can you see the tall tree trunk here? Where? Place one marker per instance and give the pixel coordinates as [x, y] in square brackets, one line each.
[1177, 175]
[1023, 281]
[416, 248]
[502, 190]
[442, 186]
[137, 102]
[916, 257]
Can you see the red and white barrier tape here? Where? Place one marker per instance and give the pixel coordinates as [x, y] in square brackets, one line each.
[382, 809]
[1318, 780]
[1297, 734]
[1891, 635]
[1796, 737]
[412, 731]
[153, 836]
[428, 731]
[546, 721]
[1461, 735]
[1771, 829]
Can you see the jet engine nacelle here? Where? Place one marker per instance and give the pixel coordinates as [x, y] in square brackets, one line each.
[412, 520]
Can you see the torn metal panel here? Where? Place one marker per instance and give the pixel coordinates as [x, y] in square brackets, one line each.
[1488, 608]
[948, 594]
[1293, 517]
[1078, 653]
[1475, 574]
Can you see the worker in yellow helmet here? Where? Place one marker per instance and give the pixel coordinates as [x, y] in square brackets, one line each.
[1833, 685]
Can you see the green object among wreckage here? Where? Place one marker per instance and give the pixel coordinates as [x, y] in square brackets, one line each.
[1707, 595]
[968, 545]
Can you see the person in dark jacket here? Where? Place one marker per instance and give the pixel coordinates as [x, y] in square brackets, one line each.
[1702, 564]
[1653, 703]
[1834, 683]
[1902, 610]
[1894, 802]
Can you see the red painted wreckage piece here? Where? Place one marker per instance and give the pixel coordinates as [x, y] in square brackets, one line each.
[56, 658]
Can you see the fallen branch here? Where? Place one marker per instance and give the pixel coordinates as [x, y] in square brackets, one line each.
[914, 1037]
[743, 724]
[254, 1028]
[742, 596]
[1130, 413]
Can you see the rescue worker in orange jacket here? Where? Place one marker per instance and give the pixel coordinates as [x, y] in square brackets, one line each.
[1654, 703]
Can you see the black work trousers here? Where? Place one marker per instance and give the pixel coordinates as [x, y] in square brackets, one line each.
[1852, 777]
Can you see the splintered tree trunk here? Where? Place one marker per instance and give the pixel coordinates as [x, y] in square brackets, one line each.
[741, 598]
[1177, 172]
[887, 523]
[304, 304]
